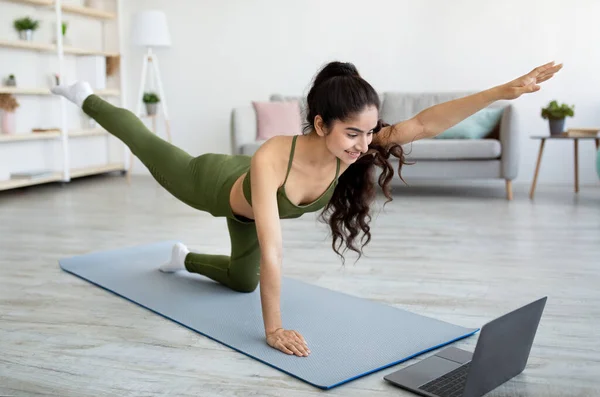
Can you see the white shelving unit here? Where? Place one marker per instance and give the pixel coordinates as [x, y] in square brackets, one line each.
[61, 138]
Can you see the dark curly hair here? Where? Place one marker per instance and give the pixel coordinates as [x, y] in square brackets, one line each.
[338, 93]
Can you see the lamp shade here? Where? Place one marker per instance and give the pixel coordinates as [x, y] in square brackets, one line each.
[150, 29]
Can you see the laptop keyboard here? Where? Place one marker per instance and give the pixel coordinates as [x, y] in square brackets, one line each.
[450, 385]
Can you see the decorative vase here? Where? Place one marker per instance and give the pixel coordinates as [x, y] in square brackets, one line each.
[151, 109]
[11, 82]
[26, 35]
[8, 122]
[557, 126]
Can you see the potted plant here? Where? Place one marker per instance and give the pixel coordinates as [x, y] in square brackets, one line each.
[11, 81]
[8, 105]
[151, 100]
[556, 115]
[26, 26]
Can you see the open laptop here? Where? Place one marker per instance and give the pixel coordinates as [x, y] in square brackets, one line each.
[501, 353]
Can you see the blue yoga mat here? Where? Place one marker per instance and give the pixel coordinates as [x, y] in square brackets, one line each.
[349, 337]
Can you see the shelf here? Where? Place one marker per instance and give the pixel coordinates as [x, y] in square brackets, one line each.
[27, 45]
[79, 172]
[108, 92]
[92, 139]
[24, 91]
[29, 136]
[57, 176]
[34, 2]
[39, 136]
[71, 9]
[45, 47]
[46, 91]
[87, 132]
[81, 51]
[16, 183]
[88, 12]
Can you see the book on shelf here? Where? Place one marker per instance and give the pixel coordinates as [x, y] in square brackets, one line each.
[35, 174]
[43, 130]
[582, 132]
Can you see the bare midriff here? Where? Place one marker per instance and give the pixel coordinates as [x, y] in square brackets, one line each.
[237, 200]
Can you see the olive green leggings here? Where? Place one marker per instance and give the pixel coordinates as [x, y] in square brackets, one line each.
[195, 181]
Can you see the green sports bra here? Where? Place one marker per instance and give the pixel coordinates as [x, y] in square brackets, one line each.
[287, 209]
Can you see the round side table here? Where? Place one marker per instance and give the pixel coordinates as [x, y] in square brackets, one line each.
[575, 140]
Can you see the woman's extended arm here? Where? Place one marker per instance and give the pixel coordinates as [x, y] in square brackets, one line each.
[265, 182]
[268, 228]
[438, 118]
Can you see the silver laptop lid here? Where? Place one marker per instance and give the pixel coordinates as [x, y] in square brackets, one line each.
[503, 348]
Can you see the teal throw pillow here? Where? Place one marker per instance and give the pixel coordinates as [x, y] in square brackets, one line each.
[476, 126]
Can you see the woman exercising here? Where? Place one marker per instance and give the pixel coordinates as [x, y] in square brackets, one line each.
[330, 167]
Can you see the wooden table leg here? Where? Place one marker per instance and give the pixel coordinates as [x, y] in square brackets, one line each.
[597, 143]
[509, 191]
[576, 165]
[537, 168]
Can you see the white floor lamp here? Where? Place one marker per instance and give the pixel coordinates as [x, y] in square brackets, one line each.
[150, 30]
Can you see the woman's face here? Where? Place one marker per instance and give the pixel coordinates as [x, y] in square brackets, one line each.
[349, 139]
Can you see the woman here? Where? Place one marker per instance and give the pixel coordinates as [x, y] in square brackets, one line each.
[330, 167]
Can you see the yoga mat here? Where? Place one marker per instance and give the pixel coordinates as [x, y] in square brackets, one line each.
[349, 337]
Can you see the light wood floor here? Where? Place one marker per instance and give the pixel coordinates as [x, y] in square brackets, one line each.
[464, 255]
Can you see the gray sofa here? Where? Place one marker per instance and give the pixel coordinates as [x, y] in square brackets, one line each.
[494, 157]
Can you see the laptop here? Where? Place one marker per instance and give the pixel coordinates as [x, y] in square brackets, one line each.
[501, 353]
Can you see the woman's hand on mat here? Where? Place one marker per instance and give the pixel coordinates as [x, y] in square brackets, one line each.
[288, 341]
[529, 82]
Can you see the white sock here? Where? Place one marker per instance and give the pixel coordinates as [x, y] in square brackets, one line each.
[76, 93]
[177, 261]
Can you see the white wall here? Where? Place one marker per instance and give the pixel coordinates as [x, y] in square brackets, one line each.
[227, 53]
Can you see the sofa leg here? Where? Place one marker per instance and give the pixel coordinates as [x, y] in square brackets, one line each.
[509, 193]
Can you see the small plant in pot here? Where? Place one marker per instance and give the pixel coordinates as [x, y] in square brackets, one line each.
[11, 81]
[556, 115]
[8, 105]
[151, 100]
[26, 26]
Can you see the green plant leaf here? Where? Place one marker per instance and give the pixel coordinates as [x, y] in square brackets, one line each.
[150, 97]
[555, 111]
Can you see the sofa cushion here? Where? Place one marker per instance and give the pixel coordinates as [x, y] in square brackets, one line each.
[452, 149]
[301, 102]
[476, 126]
[277, 118]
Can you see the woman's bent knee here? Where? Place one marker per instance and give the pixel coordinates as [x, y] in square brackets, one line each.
[244, 284]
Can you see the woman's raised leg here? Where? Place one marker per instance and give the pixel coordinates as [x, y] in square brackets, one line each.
[168, 164]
